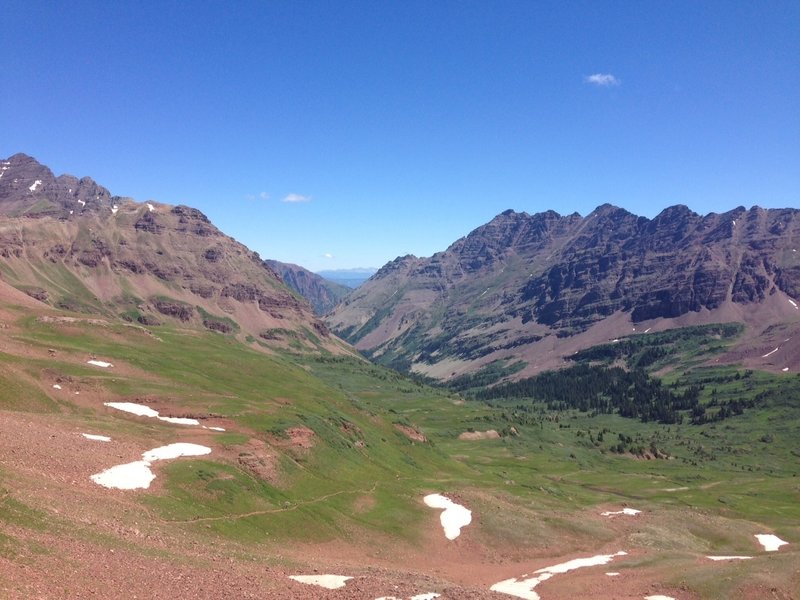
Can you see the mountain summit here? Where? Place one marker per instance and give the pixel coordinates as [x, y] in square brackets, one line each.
[531, 289]
[70, 243]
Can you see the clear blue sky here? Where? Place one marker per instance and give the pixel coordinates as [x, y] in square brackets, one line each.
[404, 125]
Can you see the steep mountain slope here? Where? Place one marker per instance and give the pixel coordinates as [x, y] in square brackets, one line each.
[321, 293]
[309, 463]
[530, 289]
[69, 243]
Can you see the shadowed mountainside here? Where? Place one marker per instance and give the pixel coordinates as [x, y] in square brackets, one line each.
[530, 289]
[322, 294]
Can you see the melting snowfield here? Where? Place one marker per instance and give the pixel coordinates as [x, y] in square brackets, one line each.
[100, 363]
[770, 542]
[331, 582]
[96, 438]
[145, 411]
[632, 512]
[523, 588]
[137, 475]
[729, 557]
[454, 516]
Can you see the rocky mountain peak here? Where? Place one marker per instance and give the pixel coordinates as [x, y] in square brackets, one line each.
[146, 262]
[519, 279]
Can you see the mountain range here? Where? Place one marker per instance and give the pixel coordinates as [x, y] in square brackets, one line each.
[71, 244]
[522, 292]
[177, 423]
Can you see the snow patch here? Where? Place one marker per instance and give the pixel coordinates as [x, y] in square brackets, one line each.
[331, 582]
[454, 516]
[114, 209]
[100, 363]
[96, 438]
[612, 574]
[175, 451]
[56, 386]
[150, 207]
[36, 184]
[648, 329]
[784, 369]
[773, 352]
[81, 202]
[524, 588]
[130, 476]
[659, 597]
[214, 428]
[793, 303]
[625, 511]
[145, 411]
[137, 409]
[729, 557]
[770, 542]
[137, 475]
[179, 420]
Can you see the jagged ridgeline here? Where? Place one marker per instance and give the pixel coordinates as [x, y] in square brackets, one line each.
[71, 244]
[524, 292]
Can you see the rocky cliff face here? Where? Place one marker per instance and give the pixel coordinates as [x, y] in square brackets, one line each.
[72, 245]
[322, 294]
[525, 286]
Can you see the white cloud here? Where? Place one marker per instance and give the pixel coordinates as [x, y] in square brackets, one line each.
[296, 198]
[602, 79]
[264, 196]
[328, 255]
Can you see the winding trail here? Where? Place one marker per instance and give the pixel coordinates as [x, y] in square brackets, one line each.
[270, 511]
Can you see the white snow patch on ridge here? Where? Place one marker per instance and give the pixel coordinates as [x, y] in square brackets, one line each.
[145, 411]
[729, 557]
[770, 542]
[524, 588]
[331, 582]
[96, 438]
[137, 409]
[150, 207]
[772, 352]
[137, 475]
[175, 451]
[625, 511]
[793, 303]
[454, 516]
[36, 184]
[100, 363]
[130, 476]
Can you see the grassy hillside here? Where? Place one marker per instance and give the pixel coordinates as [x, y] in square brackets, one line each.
[333, 453]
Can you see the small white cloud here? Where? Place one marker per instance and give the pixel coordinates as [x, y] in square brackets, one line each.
[259, 196]
[293, 198]
[328, 255]
[602, 79]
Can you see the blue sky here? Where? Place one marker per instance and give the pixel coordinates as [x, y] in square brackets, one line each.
[398, 127]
